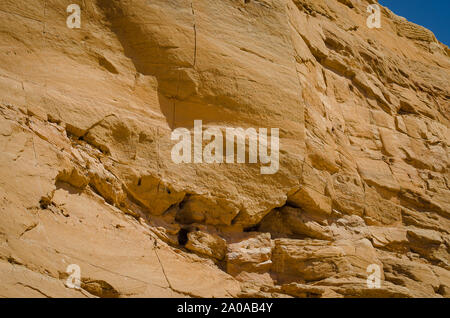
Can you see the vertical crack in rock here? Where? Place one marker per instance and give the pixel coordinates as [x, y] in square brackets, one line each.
[162, 268]
[195, 34]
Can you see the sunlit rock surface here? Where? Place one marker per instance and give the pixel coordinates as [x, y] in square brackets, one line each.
[87, 178]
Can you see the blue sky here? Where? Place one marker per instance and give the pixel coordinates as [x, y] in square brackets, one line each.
[432, 14]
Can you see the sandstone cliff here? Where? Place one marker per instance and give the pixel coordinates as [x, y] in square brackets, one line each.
[86, 175]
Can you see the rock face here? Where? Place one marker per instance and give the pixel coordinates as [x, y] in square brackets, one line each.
[86, 170]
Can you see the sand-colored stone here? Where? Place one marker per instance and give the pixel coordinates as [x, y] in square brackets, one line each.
[86, 175]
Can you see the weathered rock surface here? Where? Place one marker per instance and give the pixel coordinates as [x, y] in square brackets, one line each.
[86, 175]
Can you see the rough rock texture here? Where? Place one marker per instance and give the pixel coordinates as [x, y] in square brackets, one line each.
[86, 175]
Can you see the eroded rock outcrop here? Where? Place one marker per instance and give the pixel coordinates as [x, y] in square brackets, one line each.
[86, 175]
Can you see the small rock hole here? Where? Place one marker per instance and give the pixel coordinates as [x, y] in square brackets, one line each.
[183, 237]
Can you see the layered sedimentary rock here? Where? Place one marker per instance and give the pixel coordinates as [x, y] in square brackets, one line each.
[87, 176]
